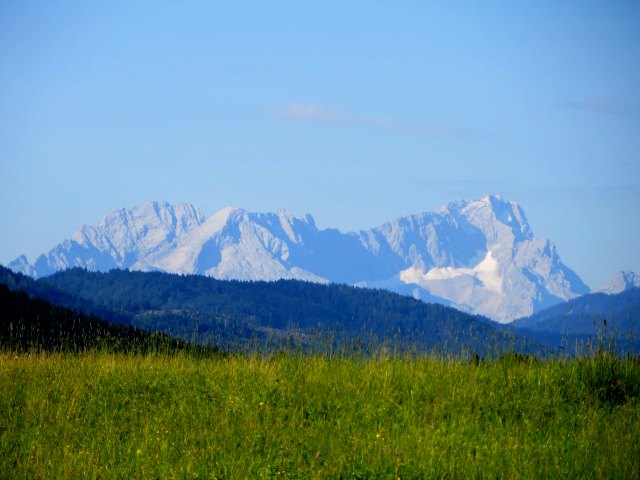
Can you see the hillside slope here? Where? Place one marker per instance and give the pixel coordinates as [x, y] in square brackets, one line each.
[227, 311]
[586, 315]
[34, 324]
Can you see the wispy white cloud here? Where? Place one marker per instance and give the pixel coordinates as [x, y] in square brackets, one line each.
[600, 105]
[312, 112]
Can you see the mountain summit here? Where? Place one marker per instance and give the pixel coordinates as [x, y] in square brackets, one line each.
[621, 282]
[132, 239]
[479, 256]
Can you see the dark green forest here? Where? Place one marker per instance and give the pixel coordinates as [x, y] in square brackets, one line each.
[238, 314]
[590, 314]
[33, 324]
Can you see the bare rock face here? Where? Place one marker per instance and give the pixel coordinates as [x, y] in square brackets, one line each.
[122, 239]
[620, 282]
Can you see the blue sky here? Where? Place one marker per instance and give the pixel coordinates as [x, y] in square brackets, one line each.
[355, 112]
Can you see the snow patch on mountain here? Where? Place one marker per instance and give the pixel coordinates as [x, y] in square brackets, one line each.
[486, 273]
[503, 272]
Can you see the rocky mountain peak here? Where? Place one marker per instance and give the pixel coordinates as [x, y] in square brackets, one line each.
[620, 282]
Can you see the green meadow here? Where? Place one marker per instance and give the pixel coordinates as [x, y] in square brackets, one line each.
[113, 415]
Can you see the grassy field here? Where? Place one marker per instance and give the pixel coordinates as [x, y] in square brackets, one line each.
[106, 415]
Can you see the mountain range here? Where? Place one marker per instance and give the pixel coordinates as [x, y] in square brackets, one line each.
[479, 256]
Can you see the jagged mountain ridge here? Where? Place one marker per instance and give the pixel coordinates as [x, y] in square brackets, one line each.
[479, 256]
[621, 282]
[124, 238]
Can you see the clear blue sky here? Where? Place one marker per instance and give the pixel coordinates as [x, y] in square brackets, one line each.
[355, 112]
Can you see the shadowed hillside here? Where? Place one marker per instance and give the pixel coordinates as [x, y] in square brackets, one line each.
[225, 312]
[33, 324]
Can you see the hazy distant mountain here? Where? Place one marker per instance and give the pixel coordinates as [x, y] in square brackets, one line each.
[482, 257]
[620, 282]
[132, 239]
[479, 256]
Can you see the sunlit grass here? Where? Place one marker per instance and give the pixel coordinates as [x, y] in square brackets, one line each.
[105, 415]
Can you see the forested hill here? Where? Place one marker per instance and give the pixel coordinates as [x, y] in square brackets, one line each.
[590, 314]
[23, 283]
[28, 324]
[224, 312]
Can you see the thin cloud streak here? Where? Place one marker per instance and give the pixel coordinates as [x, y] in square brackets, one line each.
[600, 105]
[312, 112]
